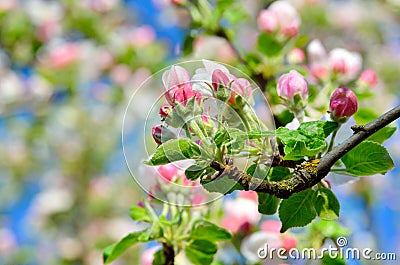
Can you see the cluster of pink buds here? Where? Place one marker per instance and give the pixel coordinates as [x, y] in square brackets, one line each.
[238, 86]
[339, 63]
[281, 17]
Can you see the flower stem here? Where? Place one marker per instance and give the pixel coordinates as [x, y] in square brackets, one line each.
[333, 139]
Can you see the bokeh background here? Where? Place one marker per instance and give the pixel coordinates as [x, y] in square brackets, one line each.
[67, 70]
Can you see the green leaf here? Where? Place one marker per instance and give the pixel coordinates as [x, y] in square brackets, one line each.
[154, 232]
[236, 14]
[367, 158]
[307, 140]
[279, 173]
[268, 45]
[364, 116]
[267, 204]
[174, 150]
[159, 258]
[139, 214]
[115, 250]
[222, 185]
[326, 204]
[297, 210]
[198, 170]
[203, 229]
[301, 149]
[320, 129]
[328, 260]
[383, 134]
[330, 229]
[201, 252]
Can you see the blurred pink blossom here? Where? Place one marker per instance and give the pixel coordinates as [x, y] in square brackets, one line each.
[280, 15]
[64, 55]
[267, 21]
[141, 36]
[167, 172]
[369, 78]
[148, 256]
[240, 214]
[296, 56]
[6, 5]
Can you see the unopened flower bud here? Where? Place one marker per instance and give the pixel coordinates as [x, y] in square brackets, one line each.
[296, 56]
[240, 86]
[183, 95]
[175, 79]
[165, 110]
[219, 78]
[343, 104]
[267, 21]
[161, 134]
[156, 132]
[292, 84]
[368, 77]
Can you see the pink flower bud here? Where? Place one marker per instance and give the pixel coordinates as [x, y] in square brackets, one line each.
[288, 18]
[219, 78]
[267, 21]
[290, 30]
[168, 172]
[165, 110]
[156, 132]
[291, 84]
[343, 103]
[184, 94]
[176, 78]
[240, 86]
[369, 77]
[296, 56]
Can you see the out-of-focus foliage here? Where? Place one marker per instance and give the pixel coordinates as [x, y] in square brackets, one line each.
[67, 70]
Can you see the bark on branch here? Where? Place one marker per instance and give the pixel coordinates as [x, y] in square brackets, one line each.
[311, 174]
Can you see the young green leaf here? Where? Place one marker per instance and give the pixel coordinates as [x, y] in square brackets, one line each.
[364, 116]
[326, 204]
[203, 229]
[383, 134]
[174, 150]
[139, 214]
[367, 158]
[159, 258]
[196, 171]
[268, 45]
[201, 252]
[267, 204]
[222, 185]
[297, 210]
[320, 129]
[115, 250]
[279, 173]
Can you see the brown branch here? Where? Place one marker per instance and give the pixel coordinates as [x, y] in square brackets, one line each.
[306, 176]
[169, 254]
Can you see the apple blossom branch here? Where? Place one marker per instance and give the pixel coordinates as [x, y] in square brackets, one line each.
[307, 176]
